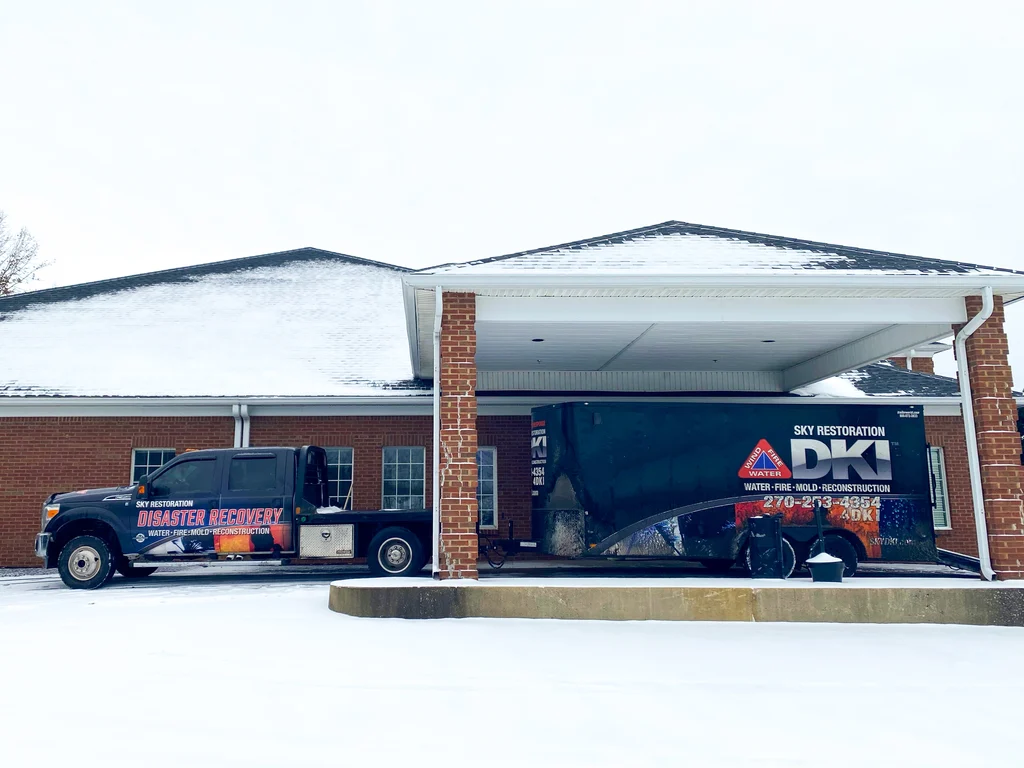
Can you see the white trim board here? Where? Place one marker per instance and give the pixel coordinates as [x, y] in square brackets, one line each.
[716, 310]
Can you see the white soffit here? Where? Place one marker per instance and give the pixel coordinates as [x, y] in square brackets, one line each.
[723, 346]
[811, 336]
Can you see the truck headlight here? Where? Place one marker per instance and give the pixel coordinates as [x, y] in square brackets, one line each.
[49, 512]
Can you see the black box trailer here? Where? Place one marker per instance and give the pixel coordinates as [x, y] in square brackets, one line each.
[680, 480]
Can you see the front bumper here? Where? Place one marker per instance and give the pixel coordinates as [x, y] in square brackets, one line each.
[43, 544]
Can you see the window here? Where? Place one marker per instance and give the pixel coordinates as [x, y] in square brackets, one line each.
[147, 460]
[186, 479]
[403, 478]
[253, 473]
[940, 496]
[339, 477]
[487, 486]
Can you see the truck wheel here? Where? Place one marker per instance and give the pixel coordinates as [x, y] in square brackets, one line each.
[788, 558]
[133, 573]
[85, 563]
[718, 566]
[838, 546]
[395, 552]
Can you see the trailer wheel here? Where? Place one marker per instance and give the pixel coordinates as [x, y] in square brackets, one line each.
[395, 552]
[838, 546]
[788, 558]
[128, 572]
[85, 562]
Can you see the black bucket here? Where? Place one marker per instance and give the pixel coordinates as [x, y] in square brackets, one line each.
[829, 572]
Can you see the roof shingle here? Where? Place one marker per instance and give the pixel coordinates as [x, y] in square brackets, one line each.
[682, 248]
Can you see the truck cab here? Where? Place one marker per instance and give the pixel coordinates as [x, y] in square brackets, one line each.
[224, 505]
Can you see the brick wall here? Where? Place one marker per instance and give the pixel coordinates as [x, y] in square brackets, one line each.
[511, 436]
[367, 436]
[41, 455]
[948, 432]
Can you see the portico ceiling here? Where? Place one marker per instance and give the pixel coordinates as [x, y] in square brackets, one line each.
[628, 346]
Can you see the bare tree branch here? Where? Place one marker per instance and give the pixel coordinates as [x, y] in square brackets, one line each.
[19, 258]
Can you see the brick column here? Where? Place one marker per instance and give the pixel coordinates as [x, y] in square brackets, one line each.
[458, 542]
[999, 448]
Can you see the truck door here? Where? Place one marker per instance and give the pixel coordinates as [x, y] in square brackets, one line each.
[174, 513]
[255, 514]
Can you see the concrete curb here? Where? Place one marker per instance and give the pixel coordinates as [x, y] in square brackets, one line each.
[882, 605]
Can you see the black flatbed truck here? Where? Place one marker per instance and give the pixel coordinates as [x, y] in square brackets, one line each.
[224, 505]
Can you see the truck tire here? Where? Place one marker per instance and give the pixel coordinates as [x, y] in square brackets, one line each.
[128, 572]
[85, 562]
[395, 552]
[838, 546]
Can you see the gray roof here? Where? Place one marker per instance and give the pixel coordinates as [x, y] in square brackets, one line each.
[679, 247]
[887, 380]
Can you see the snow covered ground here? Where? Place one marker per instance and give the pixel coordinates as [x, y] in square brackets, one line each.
[226, 671]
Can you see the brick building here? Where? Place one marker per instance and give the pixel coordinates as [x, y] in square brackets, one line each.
[102, 382]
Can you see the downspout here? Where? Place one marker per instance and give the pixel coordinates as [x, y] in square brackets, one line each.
[236, 412]
[245, 425]
[967, 408]
[910, 361]
[436, 516]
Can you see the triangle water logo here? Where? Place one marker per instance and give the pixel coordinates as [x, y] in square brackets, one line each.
[764, 462]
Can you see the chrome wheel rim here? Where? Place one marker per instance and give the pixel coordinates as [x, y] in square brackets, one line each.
[84, 563]
[394, 555]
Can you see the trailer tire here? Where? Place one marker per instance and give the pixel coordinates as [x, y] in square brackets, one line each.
[126, 570]
[85, 562]
[395, 552]
[838, 546]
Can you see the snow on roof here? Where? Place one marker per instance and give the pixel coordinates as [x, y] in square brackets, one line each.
[676, 247]
[298, 323]
[882, 380]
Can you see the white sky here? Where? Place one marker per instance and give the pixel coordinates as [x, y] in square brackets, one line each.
[141, 136]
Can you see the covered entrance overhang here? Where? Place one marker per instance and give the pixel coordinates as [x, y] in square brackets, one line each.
[663, 333]
[672, 334]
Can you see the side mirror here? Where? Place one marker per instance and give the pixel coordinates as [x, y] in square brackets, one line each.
[144, 486]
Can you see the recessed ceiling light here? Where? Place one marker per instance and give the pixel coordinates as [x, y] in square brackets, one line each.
[537, 339]
[767, 341]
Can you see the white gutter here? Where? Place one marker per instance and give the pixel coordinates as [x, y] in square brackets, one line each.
[237, 413]
[244, 413]
[967, 409]
[436, 516]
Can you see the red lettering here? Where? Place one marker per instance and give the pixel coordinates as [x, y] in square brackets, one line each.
[142, 519]
[277, 514]
[200, 517]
